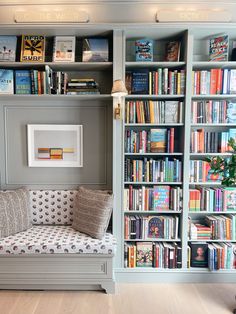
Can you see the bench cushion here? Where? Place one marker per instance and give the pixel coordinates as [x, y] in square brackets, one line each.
[55, 239]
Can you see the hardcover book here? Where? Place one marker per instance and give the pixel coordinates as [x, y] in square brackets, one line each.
[158, 140]
[64, 49]
[8, 48]
[144, 50]
[199, 255]
[144, 254]
[219, 48]
[155, 227]
[229, 199]
[32, 48]
[161, 197]
[172, 113]
[140, 83]
[95, 50]
[172, 51]
[231, 112]
[22, 82]
[6, 81]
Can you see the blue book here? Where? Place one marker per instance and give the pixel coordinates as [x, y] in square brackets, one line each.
[8, 48]
[6, 81]
[144, 50]
[140, 82]
[22, 82]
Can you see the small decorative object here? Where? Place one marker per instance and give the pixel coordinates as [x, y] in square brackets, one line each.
[219, 48]
[144, 50]
[118, 90]
[32, 48]
[52, 145]
[226, 167]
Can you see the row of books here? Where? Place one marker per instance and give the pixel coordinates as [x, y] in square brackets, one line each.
[213, 111]
[151, 141]
[214, 82]
[211, 142]
[200, 171]
[158, 198]
[149, 111]
[44, 82]
[151, 227]
[220, 227]
[159, 82]
[215, 256]
[32, 48]
[212, 199]
[150, 170]
[152, 254]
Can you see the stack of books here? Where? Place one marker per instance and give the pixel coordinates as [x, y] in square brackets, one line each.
[82, 86]
[200, 232]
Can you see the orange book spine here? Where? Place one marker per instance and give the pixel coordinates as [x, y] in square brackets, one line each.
[213, 81]
[219, 81]
[172, 139]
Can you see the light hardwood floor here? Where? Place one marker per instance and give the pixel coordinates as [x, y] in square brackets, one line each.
[129, 299]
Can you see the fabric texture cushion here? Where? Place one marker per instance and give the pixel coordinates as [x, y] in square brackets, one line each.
[56, 240]
[14, 212]
[92, 212]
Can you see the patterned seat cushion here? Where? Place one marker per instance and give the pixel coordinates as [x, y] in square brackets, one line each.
[55, 239]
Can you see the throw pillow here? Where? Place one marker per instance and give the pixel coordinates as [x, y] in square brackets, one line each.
[92, 212]
[14, 212]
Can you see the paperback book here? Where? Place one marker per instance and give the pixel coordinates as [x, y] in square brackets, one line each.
[231, 112]
[8, 48]
[144, 50]
[32, 48]
[6, 81]
[219, 48]
[95, 50]
[23, 82]
[199, 255]
[64, 49]
[172, 51]
[144, 254]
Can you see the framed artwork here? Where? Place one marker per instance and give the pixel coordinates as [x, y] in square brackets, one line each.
[53, 145]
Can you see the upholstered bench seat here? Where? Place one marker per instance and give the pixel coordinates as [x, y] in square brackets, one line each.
[41, 239]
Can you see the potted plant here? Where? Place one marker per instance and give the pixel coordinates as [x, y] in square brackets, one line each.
[225, 166]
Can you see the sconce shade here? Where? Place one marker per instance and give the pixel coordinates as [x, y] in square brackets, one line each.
[119, 89]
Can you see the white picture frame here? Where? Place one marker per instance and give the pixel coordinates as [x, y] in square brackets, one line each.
[49, 141]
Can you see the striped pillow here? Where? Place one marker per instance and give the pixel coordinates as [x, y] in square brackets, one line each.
[92, 212]
[14, 212]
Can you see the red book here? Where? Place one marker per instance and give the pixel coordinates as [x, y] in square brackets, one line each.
[219, 81]
[172, 139]
[198, 83]
[213, 81]
[130, 197]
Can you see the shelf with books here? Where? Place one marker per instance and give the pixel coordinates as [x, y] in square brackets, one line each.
[208, 183]
[153, 240]
[154, 97]
[153, 154]
[213, 64]
[154, 65]
[218, 125]
[211, 213]
[152, 124]
[215, 241]
[209, 96]
[153, 183]
[150, 212]
[210, 154]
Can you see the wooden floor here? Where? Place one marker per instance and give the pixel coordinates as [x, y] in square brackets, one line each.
[129, 299]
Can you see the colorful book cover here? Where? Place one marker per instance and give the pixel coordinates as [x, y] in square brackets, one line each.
[140, 83]
[95, 50]
[144, 254]
[161, 197]
[6, 81]
[219, 48]
[172, 113]
[32, 48]
[231, 112]
[172, 51]
[199, 255]
[155, 227]
[22, 82]
[144, 50]
[64, 49]
[158, 140]
[230, 199]
[8, 48]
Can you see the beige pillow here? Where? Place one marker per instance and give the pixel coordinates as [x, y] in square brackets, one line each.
[92, 212]
[14, 212]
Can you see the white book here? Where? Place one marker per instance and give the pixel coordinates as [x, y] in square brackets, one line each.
[64, 49]
[232, 82]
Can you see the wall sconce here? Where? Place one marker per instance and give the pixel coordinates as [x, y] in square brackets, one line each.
[118, 90]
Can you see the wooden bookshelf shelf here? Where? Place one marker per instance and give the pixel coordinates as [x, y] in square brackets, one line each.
[153, 183]
[151, 125]
[153, 240]
[154, 65]
[210, 154]
[154, 97]
[153, 154]
[151, 212]
[214, 241]
[212, 64]
[205, 183]
[213, 97]
[211, 213]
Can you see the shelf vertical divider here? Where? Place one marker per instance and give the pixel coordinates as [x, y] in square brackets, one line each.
[118, 153]
[187, 133]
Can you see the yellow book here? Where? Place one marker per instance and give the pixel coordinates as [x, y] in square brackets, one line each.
[68, 150]
[152, 115]
[178, 83]
[32, 48]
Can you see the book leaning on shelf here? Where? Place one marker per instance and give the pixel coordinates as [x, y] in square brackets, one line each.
[219, 48]
[8, 48]
[95, 50]
[32, 48]
[6, 81]
[144, 50]
[64, 49]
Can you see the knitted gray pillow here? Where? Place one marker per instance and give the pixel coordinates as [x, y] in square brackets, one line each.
[14, 212]
[92, 212]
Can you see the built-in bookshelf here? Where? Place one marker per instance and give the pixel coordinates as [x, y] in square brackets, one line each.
[201, 128]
